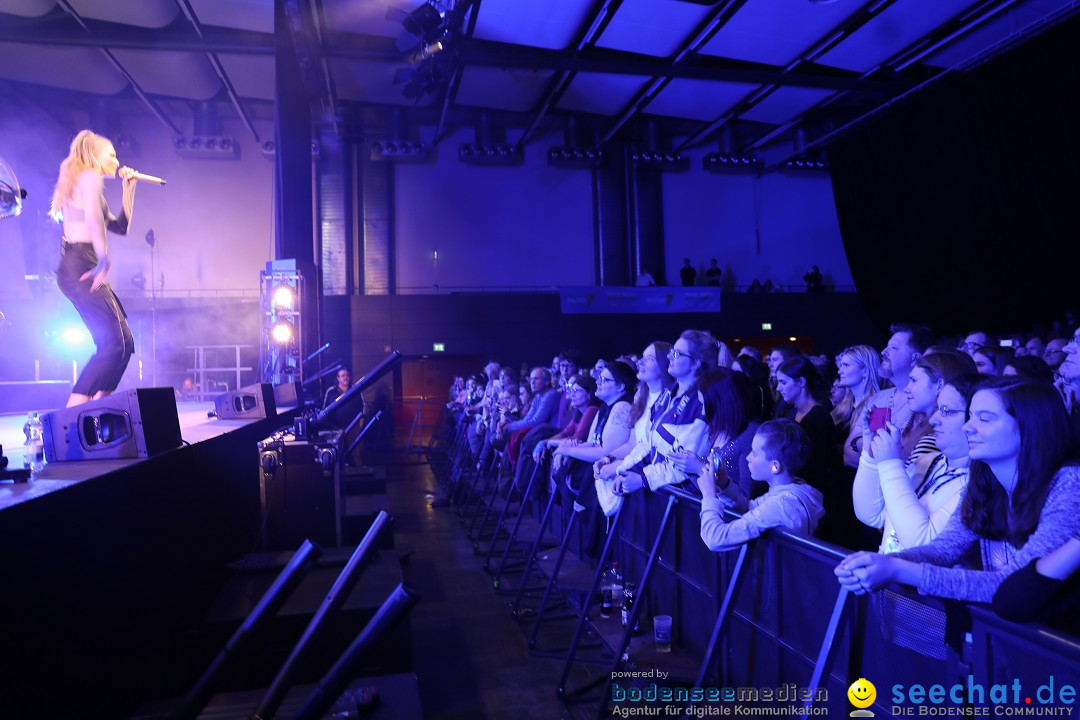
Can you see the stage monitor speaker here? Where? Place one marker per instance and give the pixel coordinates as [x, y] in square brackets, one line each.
[250, 402]
[131, 424]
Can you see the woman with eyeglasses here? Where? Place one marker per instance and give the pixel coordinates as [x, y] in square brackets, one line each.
[914, 509]
[1021, 502]
[927, 377]
[581, 389]
[681, 425]
[574, 460]
[728, 407]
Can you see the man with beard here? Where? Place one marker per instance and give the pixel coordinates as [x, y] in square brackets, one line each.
[905, 346]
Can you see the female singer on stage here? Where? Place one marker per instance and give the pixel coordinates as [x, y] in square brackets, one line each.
[79, 203]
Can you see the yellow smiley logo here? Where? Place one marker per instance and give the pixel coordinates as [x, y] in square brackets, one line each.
[862, 693]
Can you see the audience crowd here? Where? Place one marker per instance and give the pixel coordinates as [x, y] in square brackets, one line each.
[944, 464]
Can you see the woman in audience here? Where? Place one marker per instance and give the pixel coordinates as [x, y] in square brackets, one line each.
[610, 429]
[682, 425]
[724, 358]
[780, 354]
[991, 360]
[1020, 504]
[856, 370]
[581, 390]
[758, 374]
[801, 388]
[913, 510]
[1032, 366]
[654, 382]
[611, 425]
[858, 373]
[838, 395]
[525, 395]
[728, 398]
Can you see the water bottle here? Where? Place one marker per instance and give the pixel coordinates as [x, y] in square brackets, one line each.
[34, 449]
[610, 590]
[606, 601]
[616, 586]
[628, 606]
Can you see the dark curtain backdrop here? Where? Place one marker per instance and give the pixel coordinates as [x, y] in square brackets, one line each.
[962, 208]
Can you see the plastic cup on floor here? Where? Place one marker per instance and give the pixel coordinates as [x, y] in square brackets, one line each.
[662, 633]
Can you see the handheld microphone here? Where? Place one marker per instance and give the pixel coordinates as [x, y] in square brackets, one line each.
[148, 178]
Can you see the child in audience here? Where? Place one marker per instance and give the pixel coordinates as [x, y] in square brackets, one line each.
[778, 451]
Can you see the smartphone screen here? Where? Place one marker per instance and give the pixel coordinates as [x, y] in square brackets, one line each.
[879, 416]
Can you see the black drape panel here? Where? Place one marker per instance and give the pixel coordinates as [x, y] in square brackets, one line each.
[960, 207]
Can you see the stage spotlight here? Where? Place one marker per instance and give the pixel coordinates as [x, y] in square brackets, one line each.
[425, 22]
[284, 297]
[74, 336]
[282, 332]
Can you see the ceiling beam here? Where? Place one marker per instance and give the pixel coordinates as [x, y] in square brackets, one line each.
[147, 101]
[318, 21]
[53, 30]
[819, 48]
[720, 15]
[477, 53]
[601, 17]
[959, 25]
[219, 70]
[451, 91]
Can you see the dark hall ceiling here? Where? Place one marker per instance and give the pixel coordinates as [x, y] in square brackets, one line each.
[762, 69]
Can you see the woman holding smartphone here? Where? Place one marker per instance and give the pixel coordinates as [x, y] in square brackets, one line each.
[1022, 502]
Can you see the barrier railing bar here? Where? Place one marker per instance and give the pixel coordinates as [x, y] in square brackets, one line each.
[636, 612]
[721, 619]
[583, 618]
[826, 653]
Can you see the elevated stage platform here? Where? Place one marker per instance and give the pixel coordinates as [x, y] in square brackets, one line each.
[107, 564]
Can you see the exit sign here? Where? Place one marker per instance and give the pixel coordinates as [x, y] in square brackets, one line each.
[766, 326]
[438, 347]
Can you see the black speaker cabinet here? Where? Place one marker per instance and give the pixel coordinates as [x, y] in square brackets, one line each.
[130, 424]
[250, 402]
[299, 496]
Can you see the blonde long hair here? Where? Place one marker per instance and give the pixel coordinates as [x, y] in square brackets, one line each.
[81, 156]
[869, 359]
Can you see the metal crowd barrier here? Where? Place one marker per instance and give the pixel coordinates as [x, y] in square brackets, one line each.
[769, 616]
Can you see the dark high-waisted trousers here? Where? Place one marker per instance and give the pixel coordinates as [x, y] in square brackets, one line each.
[104, 317]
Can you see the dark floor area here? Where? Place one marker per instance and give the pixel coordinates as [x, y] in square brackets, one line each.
[470, 657]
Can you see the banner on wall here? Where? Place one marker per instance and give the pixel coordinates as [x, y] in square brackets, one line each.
[593, 300]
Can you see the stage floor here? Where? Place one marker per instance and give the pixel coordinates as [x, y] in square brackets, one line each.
[195, 427]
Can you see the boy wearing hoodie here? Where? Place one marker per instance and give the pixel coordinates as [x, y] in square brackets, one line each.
[779, 450]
